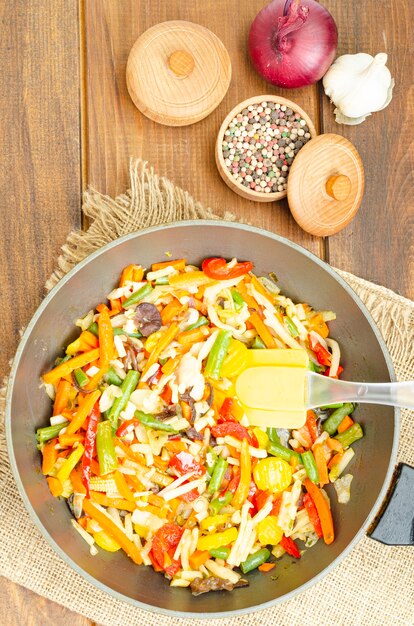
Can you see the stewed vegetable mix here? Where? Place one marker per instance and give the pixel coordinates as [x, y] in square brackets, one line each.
[150, 447]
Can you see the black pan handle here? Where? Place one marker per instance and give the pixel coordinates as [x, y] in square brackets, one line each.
[394, 524]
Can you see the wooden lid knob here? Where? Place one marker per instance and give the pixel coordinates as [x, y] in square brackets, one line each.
[325, 185]
[338, 187]
[181, 63]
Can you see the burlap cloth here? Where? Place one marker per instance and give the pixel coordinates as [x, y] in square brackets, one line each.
[373, 585]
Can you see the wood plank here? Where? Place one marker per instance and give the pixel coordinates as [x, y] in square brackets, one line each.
[40, 152]
[378, 244]
[20, 606]
[116, 129]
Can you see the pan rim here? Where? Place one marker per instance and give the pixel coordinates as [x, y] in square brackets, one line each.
[62, 554]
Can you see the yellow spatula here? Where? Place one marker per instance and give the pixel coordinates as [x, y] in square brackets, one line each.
[276, 388]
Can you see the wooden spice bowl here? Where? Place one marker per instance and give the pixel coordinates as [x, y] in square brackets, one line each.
[246, 192]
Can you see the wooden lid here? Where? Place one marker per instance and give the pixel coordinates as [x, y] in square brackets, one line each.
[178, 72]
[326, 185]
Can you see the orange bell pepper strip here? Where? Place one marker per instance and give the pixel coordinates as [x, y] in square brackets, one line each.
[49, 456]
[62, 397]
[262, 330]
[345, 424]
[198, 558]
[170, 365]
[106, 338]
[335, 459]
[122, 486]
[164, 341]
[334, 444]
[317, 324]
[69, 440]
[112, 529]
[323, 509]
[117, 503]
[64, 369]
[320, 461]
[76, 480]
[170, 311]
[242, 490]
[175, 446]
[55, 486]
[133, 273]
[82, 413]
[178, 264]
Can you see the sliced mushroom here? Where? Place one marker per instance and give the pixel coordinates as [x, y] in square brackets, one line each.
[147, 318]
[213, 583]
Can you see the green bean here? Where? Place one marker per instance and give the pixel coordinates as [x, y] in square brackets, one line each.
[237, 299]
[138, 295]
[314, 368]
[49, 432]
[63, 359]
[218, 503]
[258, 343]
[254, 560]
[112, 377]
[217, 354]
[127, 387]
[331, 406]
[283, 453]
[105, 448]
[273, 436]
[211, 460]
[151, 422]
[80, 377]
[291, 326]
[93, 328]
[218, 475]
[310, 466]
[220, 553]
[353, 433]
[202, 321]
[333, 421]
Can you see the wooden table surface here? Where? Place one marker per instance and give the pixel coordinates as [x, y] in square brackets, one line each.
[68, 122]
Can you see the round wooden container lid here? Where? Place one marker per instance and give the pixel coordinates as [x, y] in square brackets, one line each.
[178, 72]
[325, 185]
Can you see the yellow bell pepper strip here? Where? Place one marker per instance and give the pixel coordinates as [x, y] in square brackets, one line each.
[193, 278]
[242, 490]
[106, 338]
[165, 340]
[323, 510]
[62, 397]
[217, 355]
[85, 342]
[83, 412]
[64, 369]
[105, 448]
[112, 530]
[70, 463]
[262, 330]
[127, 387]
[178, 264]
[105, 541]
[49, 457]
[216, 540]
[211, 522]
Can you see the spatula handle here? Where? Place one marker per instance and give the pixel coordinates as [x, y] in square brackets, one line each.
[323, 391]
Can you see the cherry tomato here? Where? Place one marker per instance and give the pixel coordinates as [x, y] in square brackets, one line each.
[218, 269]
[273, 474]
[184, 462]
[165, 539]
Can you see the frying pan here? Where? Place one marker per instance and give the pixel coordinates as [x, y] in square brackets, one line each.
[302, 276]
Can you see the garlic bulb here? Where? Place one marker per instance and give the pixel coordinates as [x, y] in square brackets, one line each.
[358, 85]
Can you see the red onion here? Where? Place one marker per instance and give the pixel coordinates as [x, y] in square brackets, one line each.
[292, 43]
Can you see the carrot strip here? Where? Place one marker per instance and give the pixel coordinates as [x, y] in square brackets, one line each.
[335, 459]
[345, 424]
[198, 558]
[323, 509]
[122, 486]
[117, 503]
[76, 481]
[250, 301]
[67, 367]
[261, 289]
[93, 382]
[172, 309]
[82, 413]
[192, 336]
[55, 486]
[334, 444]
[49, 456]
[106, 338]
[69, 440]
[62, 397]
[165, 340]
[112, 529]
[263, 331]
[320, 461]
[266, 567]
[160, 464]
[178, 264]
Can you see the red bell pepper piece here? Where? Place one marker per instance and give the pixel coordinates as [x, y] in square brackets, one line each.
[190, 495]
[218, 269]
[338, 373]
[233, 484]
[260, 499]
[225, 413]
[166, 539]
[311, 425]
[234, 429]
[313, 514]
[172, 569]
[124, 429]
[290, 546]
[184, 462]
[89, 445]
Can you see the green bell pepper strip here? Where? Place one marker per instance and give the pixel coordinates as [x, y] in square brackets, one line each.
[333, 421]
[105, 448]
[349, 436]
[202, 321]
[314, 368]
[151, 422]
[218, 503]
[93, 328]
[291, 326]
[218, 475]
[217, 354]
[237, 299]
[127, 387]
[254, 560]
[283, 453]
[49, 432]
[112, 377]
[273, 436]
[138, 295]
[310, 466]
[258, 343]
[220, 553]
[80, 377]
